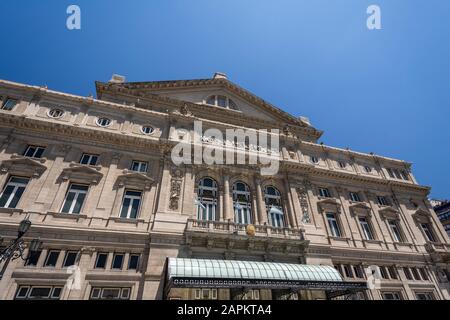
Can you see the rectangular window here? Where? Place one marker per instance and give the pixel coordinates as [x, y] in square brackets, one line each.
[52, 258]
[9, 104]
[100, 262]
[133, 263]
[397, 174]
[367, 230]
[424, 296]
[130, 204]
[334, 225]
[407, 273]
[354, 196]
[392, 272]
[250, 295]
[359, 273]
[424, 274]
[12, 192]
[117, 261]
[384, 273]
[348, 271]
[70, 258]
[89, 159]
[32, 259]
[395, 230]
[428, 232]
[28, 292]
[139, 166]
[74, 199]
[391, 296]
[98, 293]
[338, 268]
[324, 192]
[34, 152]
[390, 172]
[404, 175]
[416, 274]
[382, 201]
[205, 294]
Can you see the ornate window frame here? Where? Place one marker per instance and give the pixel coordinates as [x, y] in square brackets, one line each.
[131, 181]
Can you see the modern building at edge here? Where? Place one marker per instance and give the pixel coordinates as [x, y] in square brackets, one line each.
[119, 220]
[442, 209]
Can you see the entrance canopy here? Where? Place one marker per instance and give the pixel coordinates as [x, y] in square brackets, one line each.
[195, 273]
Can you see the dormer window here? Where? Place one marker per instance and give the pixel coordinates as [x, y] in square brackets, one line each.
[221, 101]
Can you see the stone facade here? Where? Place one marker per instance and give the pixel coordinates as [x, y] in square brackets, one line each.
[142, 122]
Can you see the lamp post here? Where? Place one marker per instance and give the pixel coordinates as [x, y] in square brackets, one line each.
[16, 249]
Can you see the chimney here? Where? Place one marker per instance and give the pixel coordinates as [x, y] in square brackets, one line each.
[116, 78]
[220, 75]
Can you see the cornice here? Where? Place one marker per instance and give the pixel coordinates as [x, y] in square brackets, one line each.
[205, 83]
[219, 114]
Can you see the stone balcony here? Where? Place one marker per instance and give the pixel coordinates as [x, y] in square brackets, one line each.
[230, 235]
[439, 252]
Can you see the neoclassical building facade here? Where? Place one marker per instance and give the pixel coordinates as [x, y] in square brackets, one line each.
[118, 219]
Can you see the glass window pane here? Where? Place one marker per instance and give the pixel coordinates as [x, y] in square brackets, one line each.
[79, 203]
[134, 262]
[70, 259]
[16, 197]
[117, 261]
[134, 208]
[7, 192]
[101, 260]
[125, 207]
[68, 202]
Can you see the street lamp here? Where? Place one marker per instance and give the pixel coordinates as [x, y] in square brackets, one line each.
[16, 248]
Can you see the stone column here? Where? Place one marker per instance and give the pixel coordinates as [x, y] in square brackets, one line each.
[227, 201]
[261, 206]
[288, 203]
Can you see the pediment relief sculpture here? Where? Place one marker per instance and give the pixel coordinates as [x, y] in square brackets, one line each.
[329, 204]
[360, 209]
[389, 213]
[135, 180]
[22, 166]
[421, 216]
[81, 174]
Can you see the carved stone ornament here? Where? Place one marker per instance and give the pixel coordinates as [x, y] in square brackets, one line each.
[82, 173]
[22, 166]
[175, 188]
[303, 199]
[135, 180]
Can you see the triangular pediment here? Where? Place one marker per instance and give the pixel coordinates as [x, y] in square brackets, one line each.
[82, 173]
[22, 165]
[198, 91]
[135, 179]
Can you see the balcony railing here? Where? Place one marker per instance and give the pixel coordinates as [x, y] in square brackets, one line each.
[229, 227]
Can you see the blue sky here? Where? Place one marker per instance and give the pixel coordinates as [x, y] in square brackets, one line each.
[384, 91]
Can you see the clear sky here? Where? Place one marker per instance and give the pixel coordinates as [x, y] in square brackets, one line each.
[384, 91]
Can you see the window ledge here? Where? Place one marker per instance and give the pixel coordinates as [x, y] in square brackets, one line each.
[373, 241]
[126, 220]
[339, 238]
[75, 216]
[40, 160]
[75, 164]
[10, 210]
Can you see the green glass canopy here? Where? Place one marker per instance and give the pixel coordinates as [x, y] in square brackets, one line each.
[249, 270]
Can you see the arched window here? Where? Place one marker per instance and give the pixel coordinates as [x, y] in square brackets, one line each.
[242, 202]
[274, 207]
[207, 199]
[221, 101]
